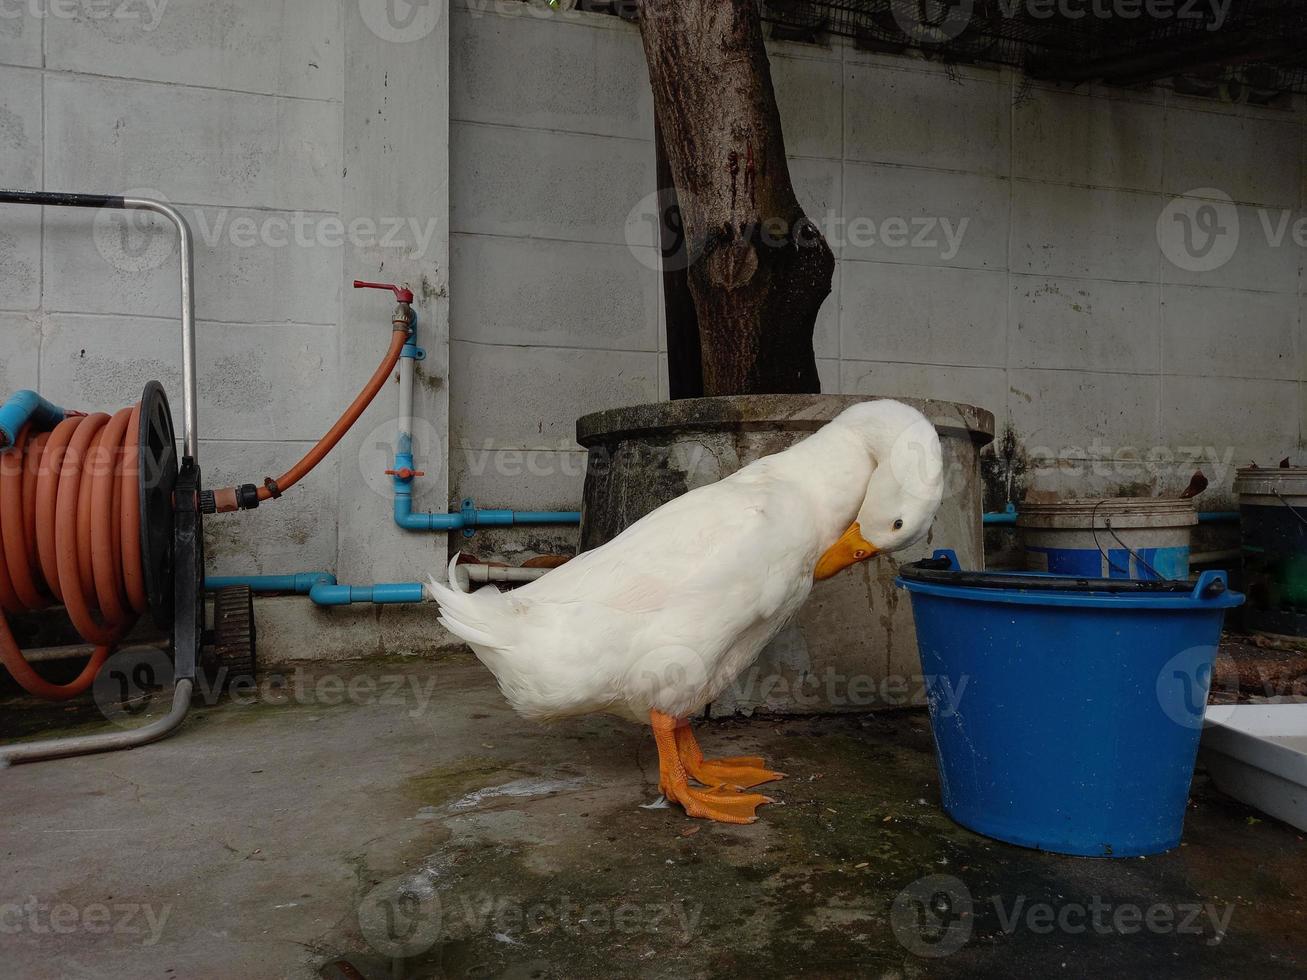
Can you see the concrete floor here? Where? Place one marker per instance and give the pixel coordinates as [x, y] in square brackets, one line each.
[411, 826]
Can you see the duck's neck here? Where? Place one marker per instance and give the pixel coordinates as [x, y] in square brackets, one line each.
[833, 468]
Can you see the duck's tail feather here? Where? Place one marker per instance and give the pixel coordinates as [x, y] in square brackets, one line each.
[481, 618]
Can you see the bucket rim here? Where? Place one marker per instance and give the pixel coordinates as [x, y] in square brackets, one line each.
[1083, 600]
[1096, 513]
[1291, 482]
[795, 413]
[941, 575]
[1263, 472]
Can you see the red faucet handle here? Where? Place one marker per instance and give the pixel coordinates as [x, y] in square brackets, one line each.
[402, 293]
[404, 473]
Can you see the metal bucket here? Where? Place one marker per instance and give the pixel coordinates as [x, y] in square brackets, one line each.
[1115, 537]
[1273, 516]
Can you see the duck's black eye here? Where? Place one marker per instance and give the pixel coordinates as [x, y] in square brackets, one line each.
[898, 525]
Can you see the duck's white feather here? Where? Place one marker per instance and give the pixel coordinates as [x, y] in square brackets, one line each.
[671, 610]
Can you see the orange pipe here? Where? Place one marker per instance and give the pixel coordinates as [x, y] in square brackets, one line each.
[225, 499]
[70, 531]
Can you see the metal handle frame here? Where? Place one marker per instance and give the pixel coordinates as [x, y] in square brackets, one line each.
[190, 399]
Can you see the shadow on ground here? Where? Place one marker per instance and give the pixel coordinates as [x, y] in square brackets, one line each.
[396, 820]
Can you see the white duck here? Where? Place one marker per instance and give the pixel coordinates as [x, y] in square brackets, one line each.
[657, 622]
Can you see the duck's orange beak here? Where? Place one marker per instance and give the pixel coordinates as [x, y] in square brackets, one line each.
[850, 549]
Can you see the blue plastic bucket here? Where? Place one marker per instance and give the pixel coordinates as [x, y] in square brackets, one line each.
[1066, 712]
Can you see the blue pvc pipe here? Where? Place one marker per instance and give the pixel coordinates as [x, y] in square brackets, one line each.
[299, 584]
[1006, 516]
[472, 517]
[23, 407]
[467, 518]
[322, 589]
[1010, 515]
[1218, 517]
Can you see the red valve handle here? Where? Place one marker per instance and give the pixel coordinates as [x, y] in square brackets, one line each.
[402, 293]
[404, 473]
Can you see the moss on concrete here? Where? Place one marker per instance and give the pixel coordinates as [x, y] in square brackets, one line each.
[293, 821]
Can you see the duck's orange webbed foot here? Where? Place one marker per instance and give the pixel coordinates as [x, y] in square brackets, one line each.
[743, 771]
[721, 803]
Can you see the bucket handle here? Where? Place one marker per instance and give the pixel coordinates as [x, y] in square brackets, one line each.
[1107, 525]
[1211, 585]
[943, 560]
[1292, 509]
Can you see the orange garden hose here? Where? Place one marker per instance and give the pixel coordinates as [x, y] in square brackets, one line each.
[226, 500]
[70, 523]
[70, 532]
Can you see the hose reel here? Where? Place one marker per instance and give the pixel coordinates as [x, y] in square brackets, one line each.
[148, 557]
[164, 575]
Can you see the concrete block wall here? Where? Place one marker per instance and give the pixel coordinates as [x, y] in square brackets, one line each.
[1059, 307]
[516, 146]
[553, 312]
[294, 135]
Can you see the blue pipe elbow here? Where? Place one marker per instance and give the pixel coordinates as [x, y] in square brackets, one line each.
[322, 588]
[469, 516]
[410, 521]
[23, 407]
[326, 593]
[1006, 516]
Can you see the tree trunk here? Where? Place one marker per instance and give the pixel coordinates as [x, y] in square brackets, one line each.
[758, 269]
[684, 356]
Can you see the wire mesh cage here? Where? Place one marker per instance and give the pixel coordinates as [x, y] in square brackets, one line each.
[1261, 44]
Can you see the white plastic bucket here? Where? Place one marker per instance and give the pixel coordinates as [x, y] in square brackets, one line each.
[1115, 537]
[1259, 487]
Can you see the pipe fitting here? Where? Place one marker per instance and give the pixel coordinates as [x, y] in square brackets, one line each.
[23, 408]
[402, 319]
[405, 474]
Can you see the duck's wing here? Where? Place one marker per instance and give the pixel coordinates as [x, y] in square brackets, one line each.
[713, 561]
[648, 617]
[698, 540]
